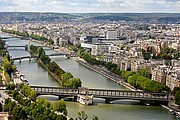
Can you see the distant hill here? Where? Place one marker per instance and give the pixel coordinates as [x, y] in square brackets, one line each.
[13, 17]
[147, 17]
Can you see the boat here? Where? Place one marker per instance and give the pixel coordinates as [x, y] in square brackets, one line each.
[85, 99]
[177, 114]
[172, 112]
[23, 79]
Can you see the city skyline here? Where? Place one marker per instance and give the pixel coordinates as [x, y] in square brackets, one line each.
[93, 6]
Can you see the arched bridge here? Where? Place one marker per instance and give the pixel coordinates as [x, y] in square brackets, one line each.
[24, 57]
[64, 54]
[108, 95]
[10, 37]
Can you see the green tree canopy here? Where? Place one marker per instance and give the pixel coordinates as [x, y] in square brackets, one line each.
[60, 106]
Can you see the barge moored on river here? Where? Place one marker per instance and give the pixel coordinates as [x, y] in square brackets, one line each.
[85, 99]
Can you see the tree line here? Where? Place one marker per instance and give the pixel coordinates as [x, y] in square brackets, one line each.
[27, 35]
[140, 79]
[67, 79]
[29, 107]
[8, 67]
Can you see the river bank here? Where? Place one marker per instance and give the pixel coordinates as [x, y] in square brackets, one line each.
[107, 74]
[52, 74]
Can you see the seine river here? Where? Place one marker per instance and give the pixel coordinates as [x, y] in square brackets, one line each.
[120, 110]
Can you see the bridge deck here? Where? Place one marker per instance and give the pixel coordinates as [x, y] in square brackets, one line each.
[101, 93]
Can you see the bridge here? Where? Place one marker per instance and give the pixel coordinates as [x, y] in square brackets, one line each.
[24, 57]
[23, 46]
[108, 95]
[10, 37]
[54, 54]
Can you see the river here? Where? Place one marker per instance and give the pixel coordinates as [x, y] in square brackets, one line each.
[124, 111]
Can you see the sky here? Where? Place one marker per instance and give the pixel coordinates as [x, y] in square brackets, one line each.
[91, 6]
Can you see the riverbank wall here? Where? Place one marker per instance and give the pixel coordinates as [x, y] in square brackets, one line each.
[52, 74]
[112, 76]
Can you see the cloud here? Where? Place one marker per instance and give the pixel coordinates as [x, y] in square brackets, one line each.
[90, 5]
[74, 4]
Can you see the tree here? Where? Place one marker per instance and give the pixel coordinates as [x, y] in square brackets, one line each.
[66, 76]
[60, 106]
[144, 72]
[10, 87]
[72, 83]
[45, 59]
[40, 51]
[177, 97]
[32, 96]
[147, 56]
[82, 115]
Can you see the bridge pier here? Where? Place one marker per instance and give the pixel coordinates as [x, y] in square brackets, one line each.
[60, 97]
[19, 60]
[75, 99]
[108, 101]
[29, 58]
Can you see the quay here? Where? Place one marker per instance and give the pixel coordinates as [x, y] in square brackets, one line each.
[107, 74]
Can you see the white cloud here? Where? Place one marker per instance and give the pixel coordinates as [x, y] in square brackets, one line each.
[25, 2]
[91, 5]
[74, 4]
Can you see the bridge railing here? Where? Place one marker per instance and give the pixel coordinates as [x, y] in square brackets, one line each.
[102, 93]
[127, 94]
[55, 90]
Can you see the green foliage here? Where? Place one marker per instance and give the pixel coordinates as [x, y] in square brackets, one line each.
[146, 84]
[0, 79]
[45, 59]
[16, 110]
[54, 68]
[60, 106]
[74, 48]
[82, 115]
[39, 110]
[90, 59]
[169, 53]
[66, 76]
[72, 83]
[10, 86]
[44, 102]
[176, 92]
[87, 57]
[177, 97]
[126, 74]
[146, 55]
[33, 48]
[7, 65]
[144, 72]
[28, 92]
[2, 44]
[37, 37]
[110, 65]
[40, 51]
[25, 34]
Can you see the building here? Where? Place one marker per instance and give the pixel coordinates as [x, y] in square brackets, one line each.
[100, 48]
[111, 34]
[4, 115]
